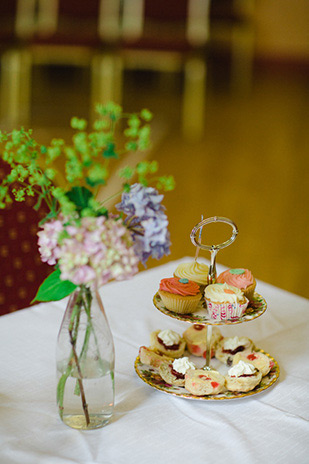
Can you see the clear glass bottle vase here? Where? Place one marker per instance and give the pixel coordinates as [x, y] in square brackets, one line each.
[85, 362]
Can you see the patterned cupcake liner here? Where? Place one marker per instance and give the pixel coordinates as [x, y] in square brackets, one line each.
[226, 311]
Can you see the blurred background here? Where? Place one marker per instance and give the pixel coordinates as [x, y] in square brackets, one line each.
[227, 81]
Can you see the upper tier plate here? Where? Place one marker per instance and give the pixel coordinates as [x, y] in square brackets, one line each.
[255, 309]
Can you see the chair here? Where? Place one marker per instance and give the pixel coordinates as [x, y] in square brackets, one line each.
[169, 37]
[232, 29]
[67, 33]
[22, 270]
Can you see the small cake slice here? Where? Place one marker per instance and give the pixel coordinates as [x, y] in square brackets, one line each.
[195, 337]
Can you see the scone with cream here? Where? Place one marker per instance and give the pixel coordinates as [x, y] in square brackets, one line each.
[168, 342]
[152, 357]
[197, 272]
[174, 372]
[195, 337]
[242, 377]
[200, 382]
[259, 360]
[228, 347]
[225, 302]
[240, 278]
[180, 295]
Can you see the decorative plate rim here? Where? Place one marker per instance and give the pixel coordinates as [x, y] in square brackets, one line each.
[181, 392]
[200, 317]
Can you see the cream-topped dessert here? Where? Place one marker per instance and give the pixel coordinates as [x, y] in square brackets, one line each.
[169, 337]
[197, 272]
[168, 342]
[174, 373]
[227, 348]
[225, 301]
[242, 377]
[259, 360]
[240, 278]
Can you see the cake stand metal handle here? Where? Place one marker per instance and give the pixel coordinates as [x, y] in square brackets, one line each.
[212, 273]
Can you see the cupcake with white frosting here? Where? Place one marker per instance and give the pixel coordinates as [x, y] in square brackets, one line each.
[225, 302]
[168, 342]
[240, 278]
[174, 373]
[242, 377]
[197, 272]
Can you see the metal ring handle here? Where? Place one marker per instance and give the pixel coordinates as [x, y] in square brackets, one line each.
[208, 221]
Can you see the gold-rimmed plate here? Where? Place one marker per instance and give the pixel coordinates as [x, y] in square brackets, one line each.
[255, 309]
[152, 378]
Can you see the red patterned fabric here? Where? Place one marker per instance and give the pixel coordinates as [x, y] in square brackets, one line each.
[21, 269]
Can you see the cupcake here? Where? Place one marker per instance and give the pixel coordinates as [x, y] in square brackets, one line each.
[174, 373]
[225, 302]
[240, 278]
[229, 347]
[197, 272]
[168, 342]
[259, 360]
[180, 295]
[200, 382]
[242, 377]
[195, 337]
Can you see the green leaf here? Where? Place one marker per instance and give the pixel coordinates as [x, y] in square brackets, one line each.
[80, 196]
[110, 151]
[53, 288]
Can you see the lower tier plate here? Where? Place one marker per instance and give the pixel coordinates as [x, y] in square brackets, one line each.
[152, 378]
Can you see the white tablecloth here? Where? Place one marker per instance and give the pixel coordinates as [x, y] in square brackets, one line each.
[150, 426]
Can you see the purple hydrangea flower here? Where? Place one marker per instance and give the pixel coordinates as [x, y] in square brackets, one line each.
[146, 219]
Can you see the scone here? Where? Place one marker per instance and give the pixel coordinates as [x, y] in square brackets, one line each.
[200, 382]
[180, 295]
[168, 342]
[174, 373]
[195, 337]
[151, 357]
[240, 278]
[227, 348]
[259, 360]
[225, 302]
[242, 377]
[197, 272]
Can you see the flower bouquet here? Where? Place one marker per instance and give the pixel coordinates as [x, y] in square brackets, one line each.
[88, 241]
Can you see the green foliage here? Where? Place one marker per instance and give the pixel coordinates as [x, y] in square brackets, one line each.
[53, 288]
[86, 162]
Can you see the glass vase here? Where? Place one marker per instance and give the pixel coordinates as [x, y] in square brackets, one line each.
[85, 362]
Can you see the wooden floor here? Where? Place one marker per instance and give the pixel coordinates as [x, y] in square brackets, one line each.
[251, 165]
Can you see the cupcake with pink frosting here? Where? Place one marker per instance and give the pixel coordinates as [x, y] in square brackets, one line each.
[180, 295]
[240, 278]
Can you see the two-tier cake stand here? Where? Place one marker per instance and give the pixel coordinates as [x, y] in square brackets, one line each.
[255, 309]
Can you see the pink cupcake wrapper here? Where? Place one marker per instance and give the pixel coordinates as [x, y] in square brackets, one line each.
[226, 311]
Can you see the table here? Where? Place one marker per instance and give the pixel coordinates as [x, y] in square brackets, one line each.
[150, 426]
